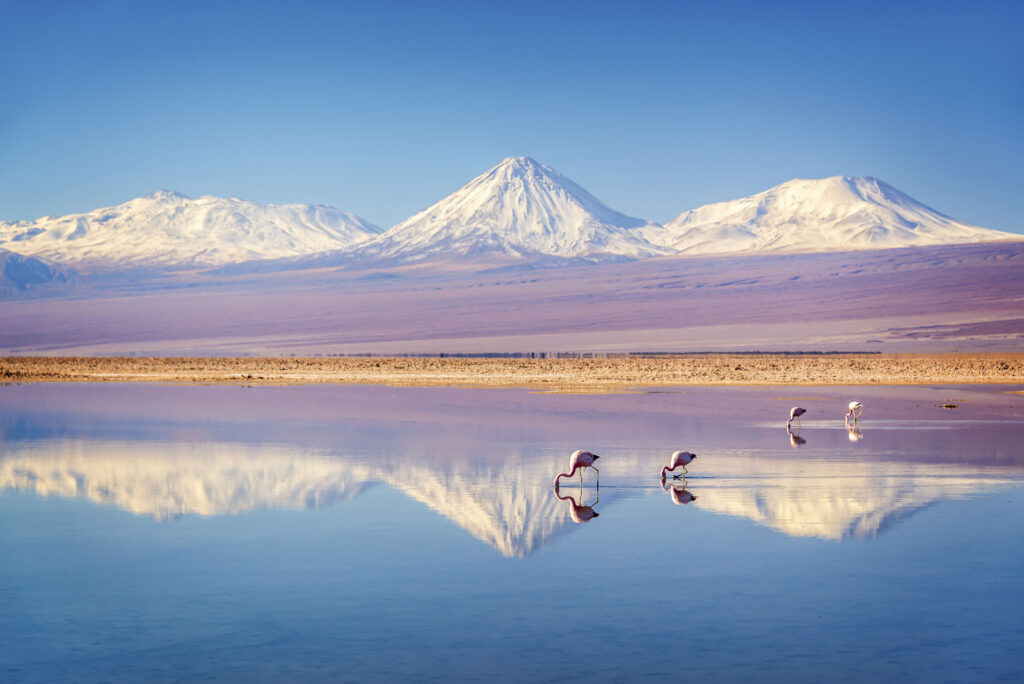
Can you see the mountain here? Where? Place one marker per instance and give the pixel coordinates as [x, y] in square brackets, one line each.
[19, 272]
[518, 209]
[519, 212]
[168, 229]
[822, 215]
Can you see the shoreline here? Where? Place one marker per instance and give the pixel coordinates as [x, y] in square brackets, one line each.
[578, 374]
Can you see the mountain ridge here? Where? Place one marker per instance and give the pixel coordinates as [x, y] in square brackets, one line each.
[837, 213]
[168, 229]
[519, 212]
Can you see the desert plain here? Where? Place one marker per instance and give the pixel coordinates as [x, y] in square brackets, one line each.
[608, 373]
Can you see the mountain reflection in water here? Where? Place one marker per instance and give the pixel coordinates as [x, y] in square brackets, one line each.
[508, 502]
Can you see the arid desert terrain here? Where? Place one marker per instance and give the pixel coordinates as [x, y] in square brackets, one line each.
[567, 374]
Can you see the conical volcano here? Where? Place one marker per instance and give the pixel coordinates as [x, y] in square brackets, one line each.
[518, 209]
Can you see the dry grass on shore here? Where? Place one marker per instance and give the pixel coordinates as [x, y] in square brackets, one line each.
[594, 374]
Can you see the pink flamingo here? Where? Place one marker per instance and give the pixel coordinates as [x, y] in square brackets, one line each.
[679, 459]
[794, 414]
[578, 461]
[854, 412]
[578, 513]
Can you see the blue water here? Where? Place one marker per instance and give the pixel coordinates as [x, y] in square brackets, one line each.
[162, 533]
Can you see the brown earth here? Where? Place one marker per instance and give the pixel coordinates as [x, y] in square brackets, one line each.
[585, 374]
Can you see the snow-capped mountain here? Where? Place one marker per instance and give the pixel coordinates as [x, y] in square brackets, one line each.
[520, 211]
[821, 215]
[519, 208]
[169, 229]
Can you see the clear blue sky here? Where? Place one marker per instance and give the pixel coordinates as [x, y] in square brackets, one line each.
[382, 108]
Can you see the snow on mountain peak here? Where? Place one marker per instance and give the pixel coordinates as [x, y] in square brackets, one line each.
[816, 215]
[168, 229]
[166, 196]
[519, 208]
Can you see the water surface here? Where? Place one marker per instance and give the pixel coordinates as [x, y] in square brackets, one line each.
[167, 533]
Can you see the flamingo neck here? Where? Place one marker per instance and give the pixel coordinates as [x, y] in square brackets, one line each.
[664, 470]
[568, 474]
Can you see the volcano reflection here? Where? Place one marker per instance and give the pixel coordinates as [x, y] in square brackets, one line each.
[505, 502]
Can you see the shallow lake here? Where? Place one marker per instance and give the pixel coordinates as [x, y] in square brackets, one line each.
[353, 533]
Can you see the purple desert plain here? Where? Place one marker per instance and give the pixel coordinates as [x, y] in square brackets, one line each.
[929, 299]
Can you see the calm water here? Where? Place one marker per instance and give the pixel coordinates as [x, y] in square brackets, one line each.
[164, 533]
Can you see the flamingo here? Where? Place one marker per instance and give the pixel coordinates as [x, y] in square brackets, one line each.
[578, 461]
[855, 407]
[578, 513]
[794, 414]
[679, 459]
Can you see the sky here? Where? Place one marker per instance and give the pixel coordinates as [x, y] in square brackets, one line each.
[383, 108]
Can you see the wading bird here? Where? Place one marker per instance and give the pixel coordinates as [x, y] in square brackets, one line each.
[854, 412]
[679, 459]
[578, 461]
[794, 414]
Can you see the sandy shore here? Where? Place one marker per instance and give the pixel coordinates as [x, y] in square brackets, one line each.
[597, 374]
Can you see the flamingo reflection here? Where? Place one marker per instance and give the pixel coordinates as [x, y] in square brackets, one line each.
[579, 460]
[795, 440]
[679, 495]
[578, 513]
[854, 432]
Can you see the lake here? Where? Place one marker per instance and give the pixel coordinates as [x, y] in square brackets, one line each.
[352, 533]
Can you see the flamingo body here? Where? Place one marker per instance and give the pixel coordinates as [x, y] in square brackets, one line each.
[794, 414]
[579, 460]
[854, 412]
[680, 459]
